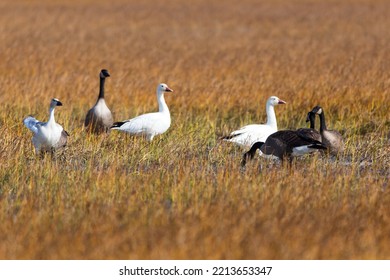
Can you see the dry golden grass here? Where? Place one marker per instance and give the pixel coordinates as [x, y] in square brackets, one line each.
[184, 195]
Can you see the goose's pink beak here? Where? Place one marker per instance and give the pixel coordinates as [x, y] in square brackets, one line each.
[168, 90]
[281, 101]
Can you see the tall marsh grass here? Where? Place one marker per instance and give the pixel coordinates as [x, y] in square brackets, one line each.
[185, 196]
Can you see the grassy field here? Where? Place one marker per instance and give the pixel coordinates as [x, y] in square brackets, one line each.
[184, 196]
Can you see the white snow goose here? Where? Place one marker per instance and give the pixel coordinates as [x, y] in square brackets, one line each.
[284, 144]
[99, 118]
[332, 139]
[151, 124]
[246, 136]
[48, 136]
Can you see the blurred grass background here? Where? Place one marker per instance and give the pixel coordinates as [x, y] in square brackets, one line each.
[184, 196]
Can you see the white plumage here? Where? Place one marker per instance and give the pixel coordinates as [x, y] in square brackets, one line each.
[151, 124]
[248, 135]
[49, 135]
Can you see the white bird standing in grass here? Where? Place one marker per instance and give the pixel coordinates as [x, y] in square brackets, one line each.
[152, 124]
[48, 136]
[248, 135]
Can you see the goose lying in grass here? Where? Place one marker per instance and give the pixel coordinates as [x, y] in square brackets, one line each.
[310, 133]
[48, 136]
[152, 124]
[330, 138]
[249, 134]
[284, 144]
[99, 118]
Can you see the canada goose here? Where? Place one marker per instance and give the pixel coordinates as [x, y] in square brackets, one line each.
[99, 118]
[284, 144]
[332, 139]
[150, 124]
[48, 136]
[310, 133]
[249, 134]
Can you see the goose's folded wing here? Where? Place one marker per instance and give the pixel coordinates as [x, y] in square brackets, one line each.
[243, 130]
[63, 139]
[250, 134]
[309, 134]
[139, 124]
[294, 138]
[32, 123]
[89, 117]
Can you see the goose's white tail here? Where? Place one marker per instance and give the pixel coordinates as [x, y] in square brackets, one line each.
[31, 123]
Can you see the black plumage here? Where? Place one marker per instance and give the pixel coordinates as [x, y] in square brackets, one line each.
[285, 144]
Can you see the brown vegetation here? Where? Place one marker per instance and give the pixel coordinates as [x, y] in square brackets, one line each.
[184, 196]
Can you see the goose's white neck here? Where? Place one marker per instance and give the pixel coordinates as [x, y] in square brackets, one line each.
[162, 106]
[271, 118]
[51, 116]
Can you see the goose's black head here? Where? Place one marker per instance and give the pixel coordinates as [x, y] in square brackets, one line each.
[317, 110]
[251, 153]
[104, 73]
[55, 102]
[310, 116]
